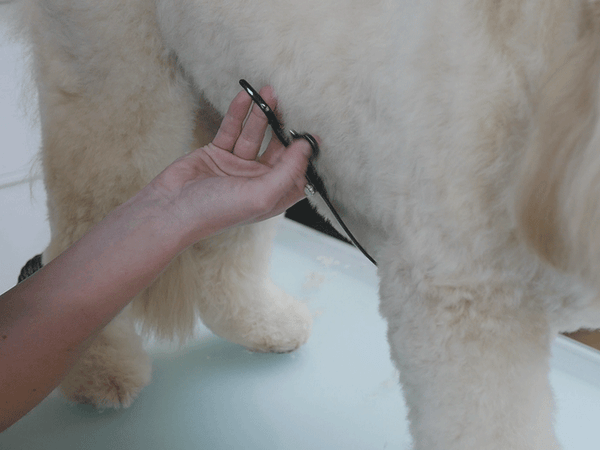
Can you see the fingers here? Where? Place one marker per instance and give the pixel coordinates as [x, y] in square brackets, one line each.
[293, 163]
[232, 123]
[242, 133]
[253, 132]
[275, 149]
[284, 185]
[273, 152]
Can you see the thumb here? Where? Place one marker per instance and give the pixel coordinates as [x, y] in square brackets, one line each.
[290, 170]
[284, 185]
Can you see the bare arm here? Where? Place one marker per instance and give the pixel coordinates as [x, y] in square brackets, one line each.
[49, 319]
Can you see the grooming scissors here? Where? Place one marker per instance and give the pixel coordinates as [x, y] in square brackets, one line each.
[315, 182]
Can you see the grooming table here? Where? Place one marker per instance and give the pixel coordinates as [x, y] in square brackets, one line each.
[338, 391]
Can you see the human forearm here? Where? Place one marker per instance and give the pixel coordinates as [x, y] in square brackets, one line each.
[47, 321]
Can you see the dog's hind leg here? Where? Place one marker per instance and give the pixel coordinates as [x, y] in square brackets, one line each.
[473, 365]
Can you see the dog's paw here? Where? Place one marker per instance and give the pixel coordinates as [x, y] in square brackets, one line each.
[281, 331]
[270, 321]
[106, 387]
[112, 372]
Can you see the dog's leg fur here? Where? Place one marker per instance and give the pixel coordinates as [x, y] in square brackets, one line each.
[113, 370]
[473, 360]
[224, 279]
[115, 111]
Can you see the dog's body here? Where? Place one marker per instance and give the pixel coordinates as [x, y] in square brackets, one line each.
[452, 133]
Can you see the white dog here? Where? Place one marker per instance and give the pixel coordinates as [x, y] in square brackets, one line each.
[459, 143]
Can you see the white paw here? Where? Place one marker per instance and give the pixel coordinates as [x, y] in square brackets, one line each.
[104, 390]
[282, 332]
[271, 321]
[111, 373]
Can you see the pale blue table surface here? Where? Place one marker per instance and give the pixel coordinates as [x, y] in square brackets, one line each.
[338, 391]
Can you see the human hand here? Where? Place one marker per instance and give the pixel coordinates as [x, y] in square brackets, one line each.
[225, 183]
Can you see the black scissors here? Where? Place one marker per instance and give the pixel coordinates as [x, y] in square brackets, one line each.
[315, 182]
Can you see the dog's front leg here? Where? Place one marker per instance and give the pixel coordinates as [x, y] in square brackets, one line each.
[115, 110]
[473, 363]
[225, 279]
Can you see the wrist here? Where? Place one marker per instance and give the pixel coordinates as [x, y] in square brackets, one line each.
[147, 219]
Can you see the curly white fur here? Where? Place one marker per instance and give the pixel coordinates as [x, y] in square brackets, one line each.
[460, 144]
